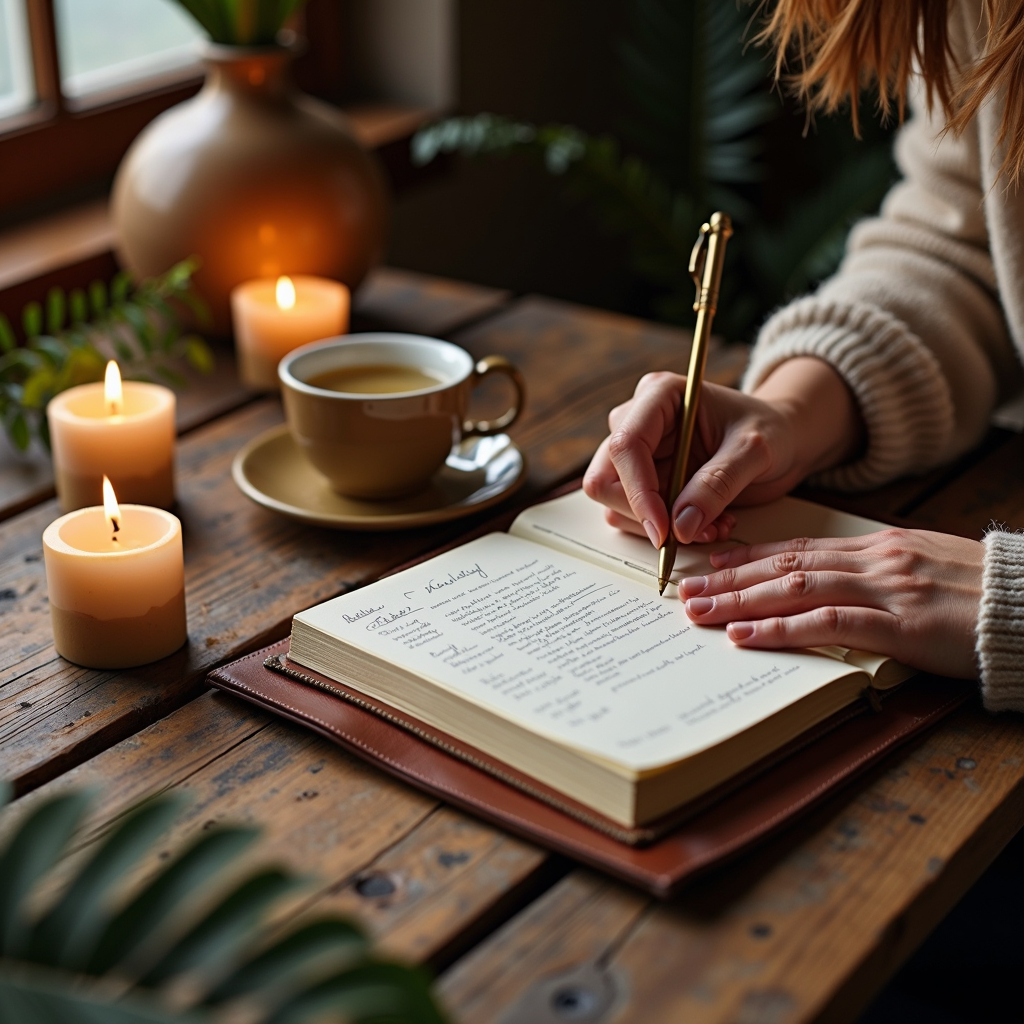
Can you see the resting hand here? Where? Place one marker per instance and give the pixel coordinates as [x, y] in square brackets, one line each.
[747, 449]
[908, 594]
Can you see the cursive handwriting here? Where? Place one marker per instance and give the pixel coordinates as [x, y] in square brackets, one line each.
[388, 617]
[456, 577]
[362, 613]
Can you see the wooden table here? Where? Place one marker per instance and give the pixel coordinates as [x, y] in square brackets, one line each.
[808, 926]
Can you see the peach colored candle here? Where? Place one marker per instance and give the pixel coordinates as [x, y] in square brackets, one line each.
[116, 580]
[273, 317]
[124, 431]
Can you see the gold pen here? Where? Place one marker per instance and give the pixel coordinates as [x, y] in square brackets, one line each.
[706, 262]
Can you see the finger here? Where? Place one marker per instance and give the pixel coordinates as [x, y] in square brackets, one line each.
[632, 449]
[792, 594]
[868, 629]
[774, 567]
[733, 557]
[601, 482]
[626, 523]
[743, 457]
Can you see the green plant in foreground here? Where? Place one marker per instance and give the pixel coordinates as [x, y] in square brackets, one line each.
[242, 22]
[188, 943]
[138, 326]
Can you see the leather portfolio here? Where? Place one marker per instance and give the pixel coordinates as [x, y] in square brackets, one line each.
[657, 858]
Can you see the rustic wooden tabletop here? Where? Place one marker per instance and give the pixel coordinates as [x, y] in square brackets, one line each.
[806, 927]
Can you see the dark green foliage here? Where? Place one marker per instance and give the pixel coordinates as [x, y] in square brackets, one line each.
[95, 954]
[242, 22]
[72, 340]
[700, 140]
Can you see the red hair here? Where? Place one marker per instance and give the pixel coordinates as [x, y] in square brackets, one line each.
[844, 46]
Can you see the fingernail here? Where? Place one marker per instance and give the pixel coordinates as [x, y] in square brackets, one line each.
[652, 533]
[693, 585]
[707, 536]
[700, 605]
[740, 630]
[688, 522]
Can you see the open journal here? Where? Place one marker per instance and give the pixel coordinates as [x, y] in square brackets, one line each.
[550, 648]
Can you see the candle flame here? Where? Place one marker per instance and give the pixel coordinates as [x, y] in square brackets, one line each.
[113, 394]
[285, 293]
[110, 507]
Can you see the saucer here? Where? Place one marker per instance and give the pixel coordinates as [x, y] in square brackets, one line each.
[273, 472]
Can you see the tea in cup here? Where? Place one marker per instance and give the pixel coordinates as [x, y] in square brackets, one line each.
[378, 414]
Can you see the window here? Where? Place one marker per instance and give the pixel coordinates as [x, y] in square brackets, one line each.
[17, 90]
[108, 43]
[79, 79]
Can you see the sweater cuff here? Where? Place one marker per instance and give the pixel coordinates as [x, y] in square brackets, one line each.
[1001, 623]
[897, 382]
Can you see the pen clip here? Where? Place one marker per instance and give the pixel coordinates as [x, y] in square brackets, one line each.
[698, 257]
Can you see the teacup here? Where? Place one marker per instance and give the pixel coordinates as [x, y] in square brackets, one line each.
[378, 414]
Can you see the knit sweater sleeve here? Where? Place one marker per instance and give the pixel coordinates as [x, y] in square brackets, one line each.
[912, 320]
[1001, 623]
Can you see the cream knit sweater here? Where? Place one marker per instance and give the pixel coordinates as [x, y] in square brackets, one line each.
[925, 322]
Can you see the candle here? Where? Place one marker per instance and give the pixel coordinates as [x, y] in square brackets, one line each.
[124, 431]
[273, 317]
[116, 581]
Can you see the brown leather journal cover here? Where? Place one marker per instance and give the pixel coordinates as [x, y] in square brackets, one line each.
[658, 858]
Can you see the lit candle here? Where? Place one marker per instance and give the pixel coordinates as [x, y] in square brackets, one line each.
[272, 317]
[116, 581]
[124, 431]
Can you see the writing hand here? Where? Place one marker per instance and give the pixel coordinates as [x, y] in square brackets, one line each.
[909, 594]
[747, 449]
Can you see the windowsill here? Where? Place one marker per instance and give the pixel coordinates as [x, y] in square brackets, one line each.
[83, 232]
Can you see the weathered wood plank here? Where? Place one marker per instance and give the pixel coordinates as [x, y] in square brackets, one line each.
[404, 300]
[989, 491]
[248, 570]
[808, 927]
[419, 877]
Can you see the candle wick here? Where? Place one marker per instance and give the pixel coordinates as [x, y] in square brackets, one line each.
[117, 526]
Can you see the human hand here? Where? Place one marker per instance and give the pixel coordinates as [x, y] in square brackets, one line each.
[908, 594]
[747, 449]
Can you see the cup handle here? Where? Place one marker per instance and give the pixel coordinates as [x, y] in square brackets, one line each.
[497, 364]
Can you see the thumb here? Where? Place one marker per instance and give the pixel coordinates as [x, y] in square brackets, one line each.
[743, 457]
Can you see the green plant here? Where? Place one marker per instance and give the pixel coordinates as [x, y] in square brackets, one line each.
[188, 943]
[242, 22]
[139, 326]
[699, 141]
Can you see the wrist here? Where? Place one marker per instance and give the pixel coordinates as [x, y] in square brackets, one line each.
[819, 412]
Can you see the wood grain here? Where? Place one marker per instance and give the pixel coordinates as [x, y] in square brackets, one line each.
[807, 927]
[420, 877]
[402, 300]
[990, 490]
[247, 571]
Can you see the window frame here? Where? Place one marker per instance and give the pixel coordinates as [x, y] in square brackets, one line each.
[62, 150]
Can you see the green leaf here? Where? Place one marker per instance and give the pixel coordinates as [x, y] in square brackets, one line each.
[119, 287]
[223, 931]
[38, 388]
[7, 339]
[78, 306]
[198, 354]
[32, 320]
[98, 298]
[309, 948]
[56, 310]
[181, 879]
[369, 992]
[66, 935]
[33, 995]
[31, 852]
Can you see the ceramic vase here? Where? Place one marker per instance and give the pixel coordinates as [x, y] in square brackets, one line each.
[255, 178]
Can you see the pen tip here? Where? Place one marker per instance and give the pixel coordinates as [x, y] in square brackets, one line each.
[662, 584]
